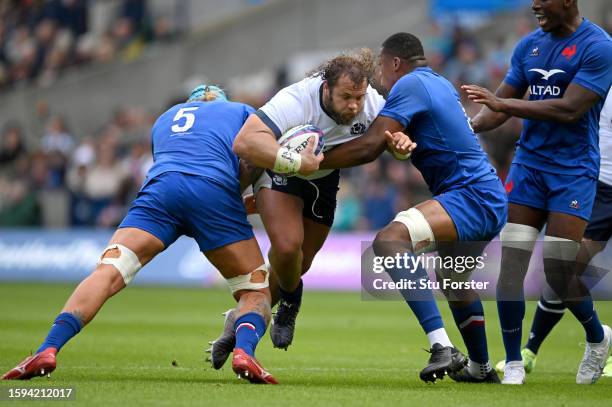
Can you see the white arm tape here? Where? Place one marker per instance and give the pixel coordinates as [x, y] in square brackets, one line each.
[422, 236]
[287, 161]
[519, 236]
[243, 282]
[127, 263]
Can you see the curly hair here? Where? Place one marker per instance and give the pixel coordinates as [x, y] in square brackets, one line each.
[359, 66]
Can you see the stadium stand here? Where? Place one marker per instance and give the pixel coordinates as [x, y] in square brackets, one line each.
[56, 174]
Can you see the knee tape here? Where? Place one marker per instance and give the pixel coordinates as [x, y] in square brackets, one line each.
[560, 249]
[244, 282]
[519, 236]
[422, 236]
[127, 263]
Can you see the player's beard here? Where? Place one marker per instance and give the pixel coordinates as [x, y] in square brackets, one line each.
[331, 112]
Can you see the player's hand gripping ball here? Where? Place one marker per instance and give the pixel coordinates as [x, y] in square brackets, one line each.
[296, 139]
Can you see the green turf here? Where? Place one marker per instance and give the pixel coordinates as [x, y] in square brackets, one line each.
[347, 352]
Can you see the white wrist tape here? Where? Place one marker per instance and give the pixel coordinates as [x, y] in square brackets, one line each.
[287, 161]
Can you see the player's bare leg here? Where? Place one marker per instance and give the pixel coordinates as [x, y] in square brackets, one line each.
[518, 239]
[134, 248]
[222, 347]
[430, 222]
[304, 244]
[550, 308]
[566, 232]
[281, 214]
[561, 246]
[283, 328]
[106, 281]
[588, 249]
[242, 264]
[315, 235]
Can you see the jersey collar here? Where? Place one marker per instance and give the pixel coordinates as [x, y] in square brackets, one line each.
[579, 29]
[423, 68]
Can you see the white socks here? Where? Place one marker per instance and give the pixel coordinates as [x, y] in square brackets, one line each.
[439, 336]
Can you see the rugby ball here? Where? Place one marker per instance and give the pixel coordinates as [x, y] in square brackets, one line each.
[296, 138]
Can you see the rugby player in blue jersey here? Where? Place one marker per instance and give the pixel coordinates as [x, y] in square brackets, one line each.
[566, 67]
[468, 205]
[550, 308]
[192, 189]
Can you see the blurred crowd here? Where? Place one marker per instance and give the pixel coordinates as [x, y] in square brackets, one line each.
[39, 39]
[92, 178]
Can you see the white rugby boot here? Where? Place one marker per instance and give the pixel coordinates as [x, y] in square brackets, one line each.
[514, 372]
[594, 359]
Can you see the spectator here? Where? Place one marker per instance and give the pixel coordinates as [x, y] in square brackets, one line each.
[466, 66]
[18, 204]
[11, 145]
[38, 39]
[379, 205]
[81, 211]
[57, 137]
[72, 15]
[135, 12]
[106, 177]
[348, 209]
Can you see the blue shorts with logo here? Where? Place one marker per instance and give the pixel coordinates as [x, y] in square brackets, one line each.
[551, 192]
[174, 204]
[478, 210]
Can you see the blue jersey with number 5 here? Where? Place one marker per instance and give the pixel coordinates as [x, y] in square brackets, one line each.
[448, 154]
[196, 138]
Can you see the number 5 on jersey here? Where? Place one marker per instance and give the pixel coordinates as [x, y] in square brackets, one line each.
[184, 114]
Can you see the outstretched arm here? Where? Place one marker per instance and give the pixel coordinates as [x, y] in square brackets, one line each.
[368, 147]
[488, 119]
[576, 101]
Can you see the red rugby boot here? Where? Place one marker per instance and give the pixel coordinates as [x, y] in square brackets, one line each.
[248, 368]
[41, 364]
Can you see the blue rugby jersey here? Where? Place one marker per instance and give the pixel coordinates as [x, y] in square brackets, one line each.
[196, 138]
[448, 154]
[545, 65]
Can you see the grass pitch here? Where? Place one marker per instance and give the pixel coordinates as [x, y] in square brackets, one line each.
[346, 352]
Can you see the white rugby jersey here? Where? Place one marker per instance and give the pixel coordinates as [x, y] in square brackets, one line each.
[605, 141]
[300, 103]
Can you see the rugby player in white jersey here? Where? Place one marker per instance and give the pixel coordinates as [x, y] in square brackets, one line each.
[298, 212]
